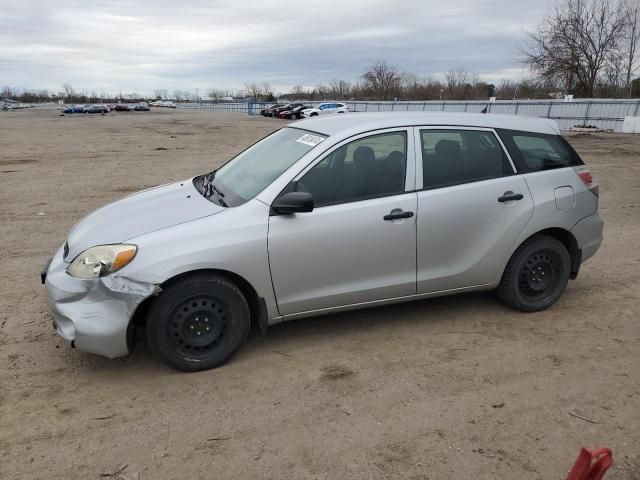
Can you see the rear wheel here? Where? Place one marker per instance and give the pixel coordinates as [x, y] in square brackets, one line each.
[536, 275]
[198, 322]
[314, 114]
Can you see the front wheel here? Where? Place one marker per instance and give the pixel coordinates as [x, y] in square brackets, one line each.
[536, 275]
[198, 322]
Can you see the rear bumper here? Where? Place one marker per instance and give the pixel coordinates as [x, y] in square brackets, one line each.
[588, 234]
[93, 314]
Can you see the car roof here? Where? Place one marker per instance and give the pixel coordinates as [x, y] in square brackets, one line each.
[354, 123]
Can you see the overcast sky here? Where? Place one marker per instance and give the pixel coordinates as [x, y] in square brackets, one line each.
[142, 45]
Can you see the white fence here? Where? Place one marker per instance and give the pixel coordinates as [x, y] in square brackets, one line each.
[601, 113]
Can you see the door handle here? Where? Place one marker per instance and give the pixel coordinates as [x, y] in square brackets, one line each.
[396, 216]
[510, 196]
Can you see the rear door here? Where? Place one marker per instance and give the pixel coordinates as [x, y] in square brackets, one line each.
[472, 206]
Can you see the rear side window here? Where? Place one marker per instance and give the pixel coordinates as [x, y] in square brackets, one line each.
[534, 152]
[454, 157]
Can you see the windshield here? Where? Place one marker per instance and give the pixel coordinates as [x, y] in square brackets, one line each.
[257, 167]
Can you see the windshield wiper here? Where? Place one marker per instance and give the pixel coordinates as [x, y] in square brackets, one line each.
[209, 189]
[216, 189]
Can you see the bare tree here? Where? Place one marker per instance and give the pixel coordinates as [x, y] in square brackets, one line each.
[339, 89]
[575, 42]
[215, 94]
[69, 92]
[253, 90]
[383, 79]
[161, 93]
[7, 92]
[320, 91]
[455, 79]
[267, 91]
[631, 39]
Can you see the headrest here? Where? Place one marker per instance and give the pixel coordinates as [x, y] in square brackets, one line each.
[448, 147]
[363, 156]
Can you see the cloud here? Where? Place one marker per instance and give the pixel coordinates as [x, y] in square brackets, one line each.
[147, 44]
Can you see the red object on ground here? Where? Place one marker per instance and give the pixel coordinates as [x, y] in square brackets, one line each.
[592, 464]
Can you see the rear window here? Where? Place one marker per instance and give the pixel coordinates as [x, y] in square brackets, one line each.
[535, 152]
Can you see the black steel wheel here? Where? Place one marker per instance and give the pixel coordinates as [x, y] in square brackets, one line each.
[198, 322]
[536, 275]
[197, 325]
[539, 274]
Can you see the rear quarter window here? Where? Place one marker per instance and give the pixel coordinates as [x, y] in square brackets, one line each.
[535, 152]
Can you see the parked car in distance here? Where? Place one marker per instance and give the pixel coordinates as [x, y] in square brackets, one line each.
[325, 108]
[120, 107]
[327, 215]
[294, 113]
[289, 106]
[98, 109]
[69, 109]
[79, 109]
[141, 108]
[266, 112]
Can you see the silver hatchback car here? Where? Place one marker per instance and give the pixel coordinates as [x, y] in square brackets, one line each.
[324, 215]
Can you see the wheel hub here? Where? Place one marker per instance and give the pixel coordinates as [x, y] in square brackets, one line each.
[199, 330]
[540, 276]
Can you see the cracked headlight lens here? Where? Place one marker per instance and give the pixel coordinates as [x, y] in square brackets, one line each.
[102, 260]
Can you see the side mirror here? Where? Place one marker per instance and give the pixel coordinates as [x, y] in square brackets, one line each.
[293, 202]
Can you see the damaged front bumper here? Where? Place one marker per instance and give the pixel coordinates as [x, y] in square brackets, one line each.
[94, 315]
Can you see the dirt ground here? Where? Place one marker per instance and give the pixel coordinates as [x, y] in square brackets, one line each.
[451, 388]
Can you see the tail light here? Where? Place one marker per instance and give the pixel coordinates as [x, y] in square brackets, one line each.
[586, 177]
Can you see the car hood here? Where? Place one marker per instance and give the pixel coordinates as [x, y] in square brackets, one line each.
[143, 212]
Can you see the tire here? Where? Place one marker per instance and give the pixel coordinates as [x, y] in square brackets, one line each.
[314, 114]
[536, 275]
[198, 322]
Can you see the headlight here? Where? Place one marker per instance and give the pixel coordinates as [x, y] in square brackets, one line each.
[101, 260]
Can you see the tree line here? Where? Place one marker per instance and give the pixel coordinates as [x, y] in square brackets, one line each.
[587, 48]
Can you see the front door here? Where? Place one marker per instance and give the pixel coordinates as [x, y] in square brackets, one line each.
[359, 243]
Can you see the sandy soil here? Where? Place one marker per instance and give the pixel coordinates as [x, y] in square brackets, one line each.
[459, 387]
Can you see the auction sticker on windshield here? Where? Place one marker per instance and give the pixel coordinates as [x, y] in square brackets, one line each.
[310, 139]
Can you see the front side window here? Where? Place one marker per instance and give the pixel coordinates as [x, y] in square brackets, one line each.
[257, 167]
[453, 157]
[369, 167]
[535, 152]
